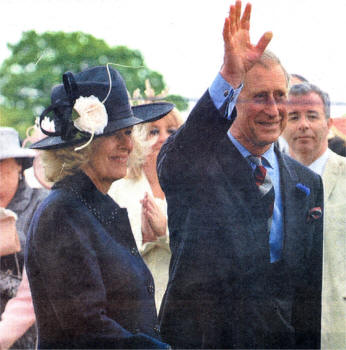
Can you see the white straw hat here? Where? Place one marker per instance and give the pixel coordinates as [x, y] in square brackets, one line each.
[10, 145]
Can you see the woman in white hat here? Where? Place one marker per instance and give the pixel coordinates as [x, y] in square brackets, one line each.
[17, 204]
[90, 286]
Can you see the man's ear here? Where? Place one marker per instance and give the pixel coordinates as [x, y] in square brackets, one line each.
[330, 122]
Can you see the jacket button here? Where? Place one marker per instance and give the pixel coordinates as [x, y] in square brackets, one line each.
[157, 329]
[151, 288]
[134, 251]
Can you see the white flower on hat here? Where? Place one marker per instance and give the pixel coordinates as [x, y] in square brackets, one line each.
[46, 124]
[92, 115]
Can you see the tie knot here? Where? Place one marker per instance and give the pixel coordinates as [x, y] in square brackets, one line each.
[256, 160]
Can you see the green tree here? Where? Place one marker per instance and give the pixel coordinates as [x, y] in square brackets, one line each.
[38, 61]
[13, 117]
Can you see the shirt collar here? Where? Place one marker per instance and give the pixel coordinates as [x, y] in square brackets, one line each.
[318, 165]
[269, 155]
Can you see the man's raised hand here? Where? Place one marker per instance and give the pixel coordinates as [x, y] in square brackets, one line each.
[240, 55]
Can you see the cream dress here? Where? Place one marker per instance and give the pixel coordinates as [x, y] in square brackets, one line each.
[128, 193]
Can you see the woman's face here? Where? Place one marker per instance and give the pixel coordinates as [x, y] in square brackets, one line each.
[161, 129]
[108, 161]
[9, 178]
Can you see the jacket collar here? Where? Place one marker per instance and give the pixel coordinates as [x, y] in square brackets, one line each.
[330, 175]
[22, 197]
[269, 155]
[236, 168]
[102, 206]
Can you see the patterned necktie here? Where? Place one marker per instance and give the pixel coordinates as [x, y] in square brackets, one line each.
[265, 187]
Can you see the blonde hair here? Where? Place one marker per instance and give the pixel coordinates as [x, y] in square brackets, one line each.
[142, 144]
[61, 162]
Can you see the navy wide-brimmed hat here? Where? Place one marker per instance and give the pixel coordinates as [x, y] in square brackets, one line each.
[92, 103]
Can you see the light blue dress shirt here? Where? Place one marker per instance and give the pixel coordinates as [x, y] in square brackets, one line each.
[221, 92]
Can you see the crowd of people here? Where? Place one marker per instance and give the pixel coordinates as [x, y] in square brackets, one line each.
[142, 230]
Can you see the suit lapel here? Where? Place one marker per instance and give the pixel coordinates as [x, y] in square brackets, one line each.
[237, 171]
[239, 182]
[295, 208]
[248, 225]
[330, 175]
[243, 194]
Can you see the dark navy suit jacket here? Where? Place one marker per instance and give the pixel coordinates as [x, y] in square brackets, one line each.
[90, 287]
[223, 292]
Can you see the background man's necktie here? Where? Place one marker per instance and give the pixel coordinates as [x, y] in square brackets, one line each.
[265, 187]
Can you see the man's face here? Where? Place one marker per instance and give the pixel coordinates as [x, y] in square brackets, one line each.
[307, 127]
[261, 108]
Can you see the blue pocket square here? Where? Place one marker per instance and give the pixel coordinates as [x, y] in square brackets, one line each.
[302, 188]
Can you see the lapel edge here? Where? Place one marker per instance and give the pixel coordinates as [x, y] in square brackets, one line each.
[330, 175]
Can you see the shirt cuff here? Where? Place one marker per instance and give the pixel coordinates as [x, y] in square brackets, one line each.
[222, 92]
[161, 242]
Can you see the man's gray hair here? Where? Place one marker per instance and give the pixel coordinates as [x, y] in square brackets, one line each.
[306, 88]
[268, 58]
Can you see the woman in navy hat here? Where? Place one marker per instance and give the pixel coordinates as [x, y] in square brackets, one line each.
[90, 286]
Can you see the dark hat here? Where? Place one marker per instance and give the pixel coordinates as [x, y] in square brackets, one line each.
[94, 101]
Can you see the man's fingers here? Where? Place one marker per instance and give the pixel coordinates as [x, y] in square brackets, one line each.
[226, 32]
[237, 13]
[245, 21]
[264, 41]
[231, 20]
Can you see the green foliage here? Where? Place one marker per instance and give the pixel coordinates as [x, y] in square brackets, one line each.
[14, 118]
[180, 102]
[38, 61]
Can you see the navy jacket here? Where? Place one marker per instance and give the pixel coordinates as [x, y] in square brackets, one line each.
[223, 292]
[90, 287]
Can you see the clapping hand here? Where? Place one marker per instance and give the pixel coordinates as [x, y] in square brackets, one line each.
[154, 222]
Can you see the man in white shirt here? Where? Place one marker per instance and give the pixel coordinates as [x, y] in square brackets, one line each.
[307, 135]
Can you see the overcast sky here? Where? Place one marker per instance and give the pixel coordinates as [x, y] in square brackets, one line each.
[182, 38]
